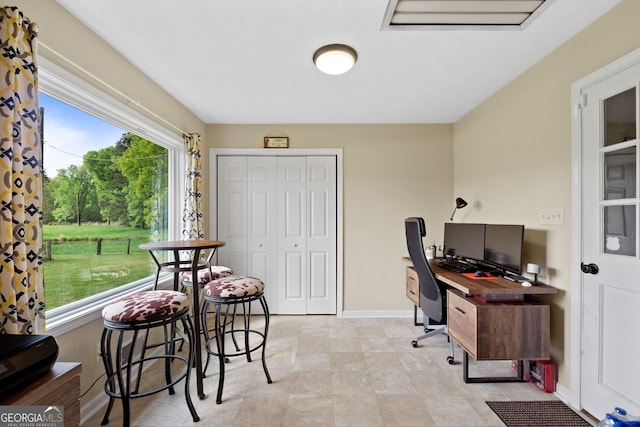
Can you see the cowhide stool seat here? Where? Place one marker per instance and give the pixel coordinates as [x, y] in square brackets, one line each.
[227, 293]
[207, 274]
[127, 317]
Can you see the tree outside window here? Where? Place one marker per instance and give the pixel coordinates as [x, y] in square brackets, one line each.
[100, 206]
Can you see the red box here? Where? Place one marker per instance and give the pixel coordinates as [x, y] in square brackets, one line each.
[543, 375]
[526, 369]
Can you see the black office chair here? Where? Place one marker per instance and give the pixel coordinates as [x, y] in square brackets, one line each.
[433, 301]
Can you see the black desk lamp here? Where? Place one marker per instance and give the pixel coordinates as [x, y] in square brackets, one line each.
[460, 203]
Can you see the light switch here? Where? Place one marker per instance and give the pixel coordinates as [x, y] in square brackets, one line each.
[551, 216]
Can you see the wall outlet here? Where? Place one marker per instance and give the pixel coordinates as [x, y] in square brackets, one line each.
[551, 216]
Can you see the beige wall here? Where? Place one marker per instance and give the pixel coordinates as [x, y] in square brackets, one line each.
[512, 155]
[390, 172]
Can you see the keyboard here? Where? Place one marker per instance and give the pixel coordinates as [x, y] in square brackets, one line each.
[457, 266]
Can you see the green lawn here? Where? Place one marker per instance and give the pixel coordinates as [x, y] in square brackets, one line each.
[75, 271]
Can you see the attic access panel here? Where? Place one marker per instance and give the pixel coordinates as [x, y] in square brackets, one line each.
[460, 14]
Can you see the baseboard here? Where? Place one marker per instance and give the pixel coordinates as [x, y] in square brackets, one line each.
[565, 395]
[91, 407]
[364, 314]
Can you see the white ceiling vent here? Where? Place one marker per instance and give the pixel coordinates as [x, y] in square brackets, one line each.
[461, 14]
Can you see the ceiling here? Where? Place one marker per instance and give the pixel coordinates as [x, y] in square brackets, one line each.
[250, 61]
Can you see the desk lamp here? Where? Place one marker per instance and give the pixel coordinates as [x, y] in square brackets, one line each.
[460, 203]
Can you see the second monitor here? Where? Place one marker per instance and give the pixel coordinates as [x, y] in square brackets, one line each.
[498, 245]
[503, 246]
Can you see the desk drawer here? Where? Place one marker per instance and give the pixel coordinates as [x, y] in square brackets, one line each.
[462, 320]
[413, 286]
[499, 331]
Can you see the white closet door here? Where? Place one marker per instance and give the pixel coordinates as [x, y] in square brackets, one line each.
[261, 233]
[246, 218]
[277, 216]
[292, 232]
[232, 213]
[321, 235]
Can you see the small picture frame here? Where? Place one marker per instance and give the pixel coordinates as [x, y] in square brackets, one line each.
[276, 142]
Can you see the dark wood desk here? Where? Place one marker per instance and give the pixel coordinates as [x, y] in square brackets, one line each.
[471, 286]
[58, 387]
[176, 266]
[514, 327]
[486, 287]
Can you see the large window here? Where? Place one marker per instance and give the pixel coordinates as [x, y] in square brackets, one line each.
[110, 182]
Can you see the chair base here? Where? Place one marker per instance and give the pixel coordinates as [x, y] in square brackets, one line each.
[431, 331]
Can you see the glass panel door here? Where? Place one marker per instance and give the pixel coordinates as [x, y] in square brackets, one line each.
[619, 166]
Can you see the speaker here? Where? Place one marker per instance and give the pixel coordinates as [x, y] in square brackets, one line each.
[24, 358]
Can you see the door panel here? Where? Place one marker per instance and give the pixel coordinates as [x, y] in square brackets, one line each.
[292, 222]
[611, 296]
[318, 278]
[261, 247]
[322, 234]
[232, 212]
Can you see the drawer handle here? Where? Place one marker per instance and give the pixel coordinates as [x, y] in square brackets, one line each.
[412, 293]
[460, 310]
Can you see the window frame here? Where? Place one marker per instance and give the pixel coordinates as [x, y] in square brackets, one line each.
[58, 83]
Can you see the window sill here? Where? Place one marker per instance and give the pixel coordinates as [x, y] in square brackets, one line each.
[62, 320]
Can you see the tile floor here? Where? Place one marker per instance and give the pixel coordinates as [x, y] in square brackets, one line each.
[330, 371]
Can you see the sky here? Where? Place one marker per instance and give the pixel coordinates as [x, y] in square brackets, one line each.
[70, 133]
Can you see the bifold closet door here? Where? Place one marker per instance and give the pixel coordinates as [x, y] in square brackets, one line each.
[277, 216]
[306, 245]
[247, 216]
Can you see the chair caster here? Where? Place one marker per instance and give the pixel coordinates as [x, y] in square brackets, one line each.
[450, 360]
[414, 344]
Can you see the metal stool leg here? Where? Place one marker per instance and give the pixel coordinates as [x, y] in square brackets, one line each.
[265, 309]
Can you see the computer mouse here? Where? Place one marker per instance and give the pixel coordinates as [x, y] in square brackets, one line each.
[526, 283]
[480, 273]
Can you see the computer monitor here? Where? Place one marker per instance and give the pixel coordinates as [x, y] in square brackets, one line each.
[503, 246]
[463, 240]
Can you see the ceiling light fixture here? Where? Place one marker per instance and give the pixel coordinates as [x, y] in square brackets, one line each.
[335, 58]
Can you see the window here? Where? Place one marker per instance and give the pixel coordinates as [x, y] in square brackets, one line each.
[110, 182]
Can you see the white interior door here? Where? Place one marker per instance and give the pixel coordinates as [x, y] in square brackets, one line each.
[232, 213]
[261, 233]
[610, 371]
[246, 217]
[292, 232]
[278, 217]
[322, 235]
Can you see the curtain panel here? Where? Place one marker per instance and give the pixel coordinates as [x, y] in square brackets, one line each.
[21, 280]
[192, 217]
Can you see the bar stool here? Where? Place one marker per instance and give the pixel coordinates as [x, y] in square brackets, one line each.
[127, 317]
[206, 274]
[227, 293]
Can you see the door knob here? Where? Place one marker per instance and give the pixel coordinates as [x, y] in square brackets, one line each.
[589, 268]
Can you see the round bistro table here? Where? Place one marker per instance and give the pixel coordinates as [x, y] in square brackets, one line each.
[176, 266]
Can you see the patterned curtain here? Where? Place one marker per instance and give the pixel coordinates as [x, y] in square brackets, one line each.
[192, 223]
[21, 281]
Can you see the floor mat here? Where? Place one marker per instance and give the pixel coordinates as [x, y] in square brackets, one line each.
[542, 413]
